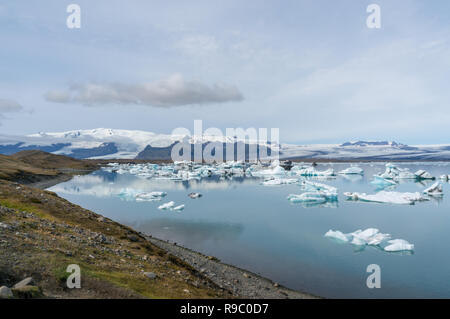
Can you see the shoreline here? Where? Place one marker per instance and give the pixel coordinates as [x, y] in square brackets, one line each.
[240, 282]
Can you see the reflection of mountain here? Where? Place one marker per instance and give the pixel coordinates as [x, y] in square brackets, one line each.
[106, 184]
[188, 232]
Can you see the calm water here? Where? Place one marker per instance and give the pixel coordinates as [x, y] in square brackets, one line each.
[254, 227]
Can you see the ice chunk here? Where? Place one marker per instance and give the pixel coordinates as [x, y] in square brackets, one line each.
[178, 208]
[445, 177]
[378, 238]
[406, 174]
[371, 237]
[277, 170]
[152, 196]
[337, 235]
[358, 241]
[434, 190]
[352, 170]
[308, 197]
[313, 186]
[311, 171]
[422, 174]
[195, 195]
[280, 181]
[378, 180]
[398, 245]
[387, 197]
[167, 206]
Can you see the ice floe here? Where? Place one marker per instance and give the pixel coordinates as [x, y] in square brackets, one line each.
[171, 206]
[166, 206]
[422, 174]
[311, 171]
[352, 170]
[434, 190]
[195, 195]
[398, 245]
[371, 237]
[150, 197]
[387, 197]
[279, 181]
[315, 192]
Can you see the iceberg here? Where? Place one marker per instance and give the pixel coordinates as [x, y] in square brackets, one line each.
[336, 234]
[381, 181]
[318, 197]
[195, 195]
[313, 186]
[178, 208]
[371, 237]
[149, 197]
[167, 206]
[279, 181]
[445, 177]
[387, 197]
[311, 171]
[399, 245]
[422, 174]
[352, 170]
[434, 190]
[277, 170]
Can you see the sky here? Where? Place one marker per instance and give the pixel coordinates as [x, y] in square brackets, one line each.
[313, 69]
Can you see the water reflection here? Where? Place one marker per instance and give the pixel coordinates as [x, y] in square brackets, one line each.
[254, 226]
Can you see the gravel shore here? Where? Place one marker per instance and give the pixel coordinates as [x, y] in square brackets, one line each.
[241, 283]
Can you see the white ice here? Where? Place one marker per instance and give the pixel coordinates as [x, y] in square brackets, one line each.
[371, 237]
[398, 245]
[434, 190]
[352, 170]
[387, 197]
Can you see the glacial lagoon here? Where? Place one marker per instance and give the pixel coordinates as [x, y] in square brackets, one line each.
[253, 226]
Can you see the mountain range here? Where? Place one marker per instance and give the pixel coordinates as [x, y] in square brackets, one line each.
[105, 143]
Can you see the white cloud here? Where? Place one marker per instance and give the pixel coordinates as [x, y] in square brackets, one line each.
[169, 92]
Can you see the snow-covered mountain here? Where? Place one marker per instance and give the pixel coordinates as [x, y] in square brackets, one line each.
[112, 143]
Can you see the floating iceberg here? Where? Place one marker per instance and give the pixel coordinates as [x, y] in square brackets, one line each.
[149, 197]
[399, 245]
[445, 177]
[316, 192]
[394, 172]
[277, 170]
[434, 190]
[336, 234]
[167, 206]
[382, 182]
[313, 186]
[194, 195]
[311, 171]
[371, 237]
[178, 208]
[352, 170]
[318, 197]
[279, 181]
[422, 174]
[387, 197]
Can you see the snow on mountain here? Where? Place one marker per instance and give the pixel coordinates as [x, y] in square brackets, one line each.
[116, 143]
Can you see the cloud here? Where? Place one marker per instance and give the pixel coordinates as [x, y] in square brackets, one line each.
[169, 92]
[8, 106]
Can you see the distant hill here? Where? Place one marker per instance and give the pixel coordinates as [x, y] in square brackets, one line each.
[33, 166]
